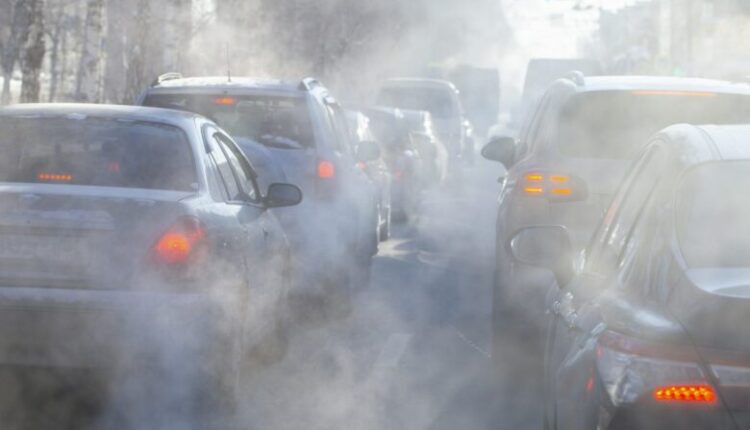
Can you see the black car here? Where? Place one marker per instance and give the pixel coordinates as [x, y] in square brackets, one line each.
[648, 328]
[130, 235]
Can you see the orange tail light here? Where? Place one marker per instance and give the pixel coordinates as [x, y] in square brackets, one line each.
[540, 184]
[686, 393]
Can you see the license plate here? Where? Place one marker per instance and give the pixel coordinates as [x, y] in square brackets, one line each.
[35, 247]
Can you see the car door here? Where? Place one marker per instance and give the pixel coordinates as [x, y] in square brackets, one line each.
[572, 307]
[251, 216]
[274, 249]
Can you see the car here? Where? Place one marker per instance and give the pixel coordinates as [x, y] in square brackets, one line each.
[441, 99]
[300, 126]
[125, 226]
[376, 169]
[431, 150]
[646, 329]
[391, 130]
[542, 72]
[570, 158]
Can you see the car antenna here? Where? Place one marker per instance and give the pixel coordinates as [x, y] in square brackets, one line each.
[229, 65]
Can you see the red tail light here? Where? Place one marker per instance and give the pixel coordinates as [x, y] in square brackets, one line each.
[178, 244]
[326, 170]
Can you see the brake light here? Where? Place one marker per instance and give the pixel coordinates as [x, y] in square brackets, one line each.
[534, 177]
[535, 191]
[54, 177]
[178, 244]
[326, 170]
[225, 101]
[685, 393]
[673, 93]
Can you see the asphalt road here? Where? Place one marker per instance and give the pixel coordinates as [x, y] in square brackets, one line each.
[413, 354]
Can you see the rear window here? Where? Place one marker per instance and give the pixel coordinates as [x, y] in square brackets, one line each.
[614, 124]
[437, 101]
[713, 215]
[95, 151]
[278, 122]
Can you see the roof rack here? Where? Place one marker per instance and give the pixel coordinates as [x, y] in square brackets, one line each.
[307, 84]
[576, 76]
[166, 77]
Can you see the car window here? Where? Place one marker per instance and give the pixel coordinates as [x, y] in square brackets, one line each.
[223, 167]
[606, 248]
[241, 168]
[637, 256]
[531, 131]
[91, 151]
[614, 124]
[281, 122]
[713, 215]
[339, 126]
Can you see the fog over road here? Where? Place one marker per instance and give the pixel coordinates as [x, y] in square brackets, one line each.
[415, 352]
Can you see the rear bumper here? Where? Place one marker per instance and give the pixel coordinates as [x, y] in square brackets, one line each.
[101, 329]
[670, 416]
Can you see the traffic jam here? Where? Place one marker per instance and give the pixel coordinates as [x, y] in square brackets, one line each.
[509, 215]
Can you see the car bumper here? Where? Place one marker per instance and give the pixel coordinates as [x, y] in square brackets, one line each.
[97, 328]
[672, 416]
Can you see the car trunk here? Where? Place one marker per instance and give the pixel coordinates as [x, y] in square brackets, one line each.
[78, 236]
[712, 305]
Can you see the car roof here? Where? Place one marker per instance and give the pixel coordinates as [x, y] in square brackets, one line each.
[661, 83]
[224, 83]
[731, 141]
[138, 113]
[418, 82]
[696, 144]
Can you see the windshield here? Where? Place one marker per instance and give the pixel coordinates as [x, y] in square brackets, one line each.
[95, 151]
[437, 101]
[279, 122]
[615, 124]
[714, 215]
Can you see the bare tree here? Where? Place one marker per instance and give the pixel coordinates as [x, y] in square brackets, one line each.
[33, 51]
[87, 77]
[14, 23]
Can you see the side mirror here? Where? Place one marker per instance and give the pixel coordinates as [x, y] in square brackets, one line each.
[501, 149]
[368, 151]
[282, 195]
[547, 247]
